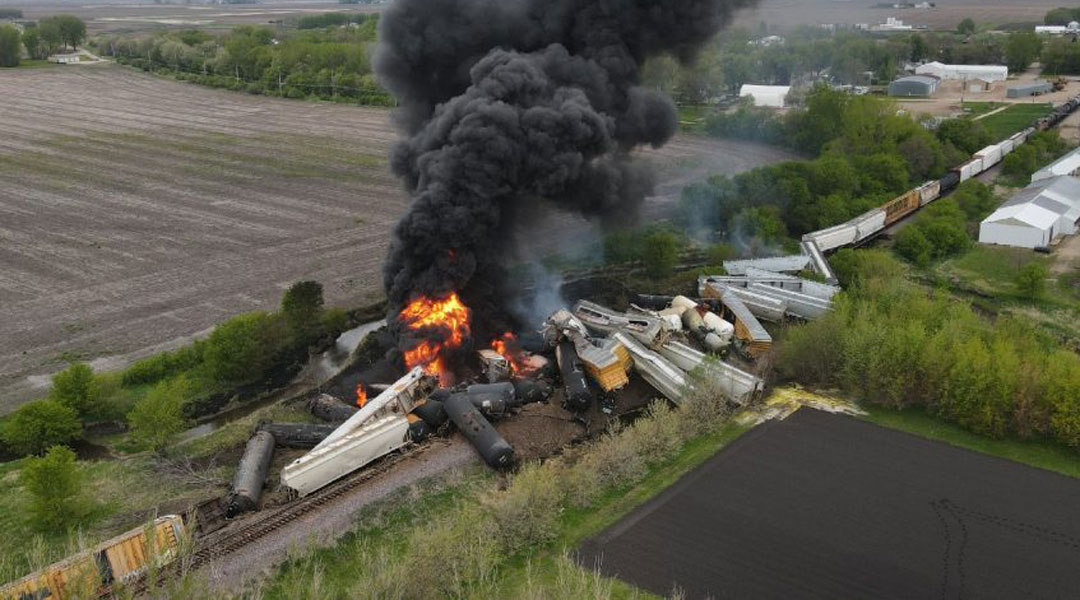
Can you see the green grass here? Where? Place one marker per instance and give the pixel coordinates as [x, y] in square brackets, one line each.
[974, 109]
[1043, 454]
[36, 64]
[1013, 119]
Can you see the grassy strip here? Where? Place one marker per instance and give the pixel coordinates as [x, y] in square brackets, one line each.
[1013, 119]
[1043, 454]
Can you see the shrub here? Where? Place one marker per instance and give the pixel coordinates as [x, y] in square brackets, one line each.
[1030, 280]
[166, 364]
[240, 349]
[76, 388]
[526, 513]
[38, 425]
[611, 461]
[55, 486]
[160, 414]
[302, 307]
[660, 252]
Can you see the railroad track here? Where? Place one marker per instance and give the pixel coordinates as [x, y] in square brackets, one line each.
[221, 544]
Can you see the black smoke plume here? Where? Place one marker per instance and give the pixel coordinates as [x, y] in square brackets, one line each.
[513, 106]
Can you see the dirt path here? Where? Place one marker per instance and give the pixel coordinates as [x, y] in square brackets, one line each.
[139, 211]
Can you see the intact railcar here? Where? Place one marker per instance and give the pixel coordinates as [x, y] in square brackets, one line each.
[93, 572]
[901, 206]
[833, 237]
[928, 192]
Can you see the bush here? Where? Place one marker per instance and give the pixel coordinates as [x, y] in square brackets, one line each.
[55, 486]
[159, 416]
[166, 364]
[1031, 280]
[526, 513]
[240, 349]
[302, 307]
[38, 425]
[660, 252]
[76, 388]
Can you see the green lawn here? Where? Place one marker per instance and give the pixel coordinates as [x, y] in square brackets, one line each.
[1013, 119]
[1037, 453]
[974, 109]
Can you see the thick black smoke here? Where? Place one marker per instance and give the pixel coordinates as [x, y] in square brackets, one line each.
[511, 105]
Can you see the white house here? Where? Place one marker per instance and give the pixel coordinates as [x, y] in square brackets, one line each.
[1035, 215]
[1066, 165]
[766, 95]
[65, 59]
[990, 73]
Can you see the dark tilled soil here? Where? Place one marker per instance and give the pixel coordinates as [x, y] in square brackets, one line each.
[827, 506]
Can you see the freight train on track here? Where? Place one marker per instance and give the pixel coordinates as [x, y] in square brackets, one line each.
[871, 223]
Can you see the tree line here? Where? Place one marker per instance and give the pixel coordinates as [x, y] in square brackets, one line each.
[888, 341]
[331, 62]
[41, 39]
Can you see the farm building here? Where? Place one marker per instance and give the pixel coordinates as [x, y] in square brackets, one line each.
[766, 95]
[1066, 165]
[1035, 216]
[988, 73]
[914, 85]
[1029, 89]
[64, 59]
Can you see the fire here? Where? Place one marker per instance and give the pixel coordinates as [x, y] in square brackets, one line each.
[507, 346]
[449, 315]
[361, 395]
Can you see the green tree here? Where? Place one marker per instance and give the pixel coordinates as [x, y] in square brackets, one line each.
[70, 29]
[1030, 280]
[159, 416]
[37, 425]
[966, 27]
[10, 46]
[1021, 50]
[55, 486]
[913, 245]
[967, 135]
[240, 349]
[302, 306]
[661, 250]
[621, 247]
[76, 387]
[31, 39]
[51, 35]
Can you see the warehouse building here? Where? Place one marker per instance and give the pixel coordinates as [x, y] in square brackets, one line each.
[914, 85]
[1066, 165]
[987, 73]
[1037, 88]
[1035, 216]
[766, 95]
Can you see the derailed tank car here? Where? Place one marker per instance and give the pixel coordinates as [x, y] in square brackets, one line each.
[579, 396]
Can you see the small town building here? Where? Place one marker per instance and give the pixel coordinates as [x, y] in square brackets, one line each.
[1066, 165]
[988, 73]
[65, 59]
[1036, 215]
[766, 95]
[914, 85]
[1036, 88]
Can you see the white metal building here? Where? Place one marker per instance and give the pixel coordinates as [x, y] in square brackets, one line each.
[1035, 215]
[989, 73]
[766, 95]
[1066, 165]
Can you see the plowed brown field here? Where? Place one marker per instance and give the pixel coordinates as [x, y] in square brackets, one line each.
[136, 211]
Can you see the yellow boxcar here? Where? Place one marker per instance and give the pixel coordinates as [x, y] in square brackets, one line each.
[901, 206]
[83, 575]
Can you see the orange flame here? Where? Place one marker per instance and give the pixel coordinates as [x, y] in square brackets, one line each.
[448, 314]
[507, 346]
[361, 395]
